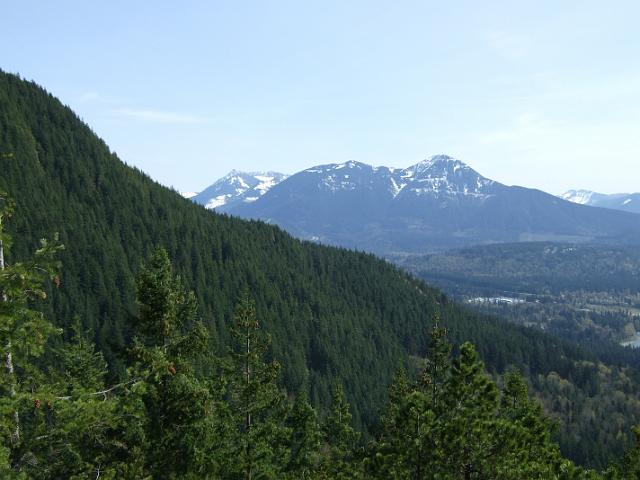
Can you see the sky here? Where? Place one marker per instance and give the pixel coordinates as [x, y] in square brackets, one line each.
[544, 94]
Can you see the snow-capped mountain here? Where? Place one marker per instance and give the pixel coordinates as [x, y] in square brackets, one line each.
[438, 203]
[237, 187]
[439, 175]
[444, 176]
[629, 202]
[583, 197]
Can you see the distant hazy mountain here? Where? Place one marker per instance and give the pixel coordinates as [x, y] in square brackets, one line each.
[237, 187]
[437, 203]
[629, 202]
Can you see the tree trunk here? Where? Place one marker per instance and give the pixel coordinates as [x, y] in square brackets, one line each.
[248, 406]
[15, 435]
[1, 255]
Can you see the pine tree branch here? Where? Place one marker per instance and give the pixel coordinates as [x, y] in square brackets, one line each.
[104, 392]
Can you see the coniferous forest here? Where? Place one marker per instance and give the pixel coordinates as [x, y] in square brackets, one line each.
[150, 338]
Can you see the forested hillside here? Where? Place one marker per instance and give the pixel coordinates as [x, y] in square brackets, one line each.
[168, 419]
[584, 293]
[333, 314]
[532, 267]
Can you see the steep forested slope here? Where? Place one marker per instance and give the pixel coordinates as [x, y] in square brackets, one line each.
[332, 313]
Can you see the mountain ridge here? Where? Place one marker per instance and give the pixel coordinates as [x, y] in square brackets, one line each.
[628, 202]
[399, 178]
[438, 203]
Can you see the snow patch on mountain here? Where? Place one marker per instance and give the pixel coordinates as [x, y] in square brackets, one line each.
[438, 175]
[629, 202]
[396, 187]
[583, 197]
[217, 201]
[337, 182]
[266, 182]
[442, 174]
[237, 187]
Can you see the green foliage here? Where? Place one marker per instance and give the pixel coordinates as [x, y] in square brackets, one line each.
[23, 336]
[305, 439]
[465, 428]
[332, 314]
[551, 267]
[257, 405]
[582, 293]
[628, 467]
[168, 342]
[631, 461]
[340, 437]
[75, 428]
[170, 419]
[436, 371]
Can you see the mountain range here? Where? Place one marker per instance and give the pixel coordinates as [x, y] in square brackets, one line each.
[438, 203]
[628, 202]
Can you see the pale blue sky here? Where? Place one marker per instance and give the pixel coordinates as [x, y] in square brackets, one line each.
[544, 94]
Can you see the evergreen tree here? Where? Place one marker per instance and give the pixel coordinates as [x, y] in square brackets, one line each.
[430, 404]
[179, 408]
[455, 424]
[257, 406]
[77, 427]
[23, 335]
[385, 456]
[524, 433]
[631, 460]
[628, 467]
[467, 434]
[340, 437]
[305, 439]
[436, 371]
[400, 387]
[413, 422]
